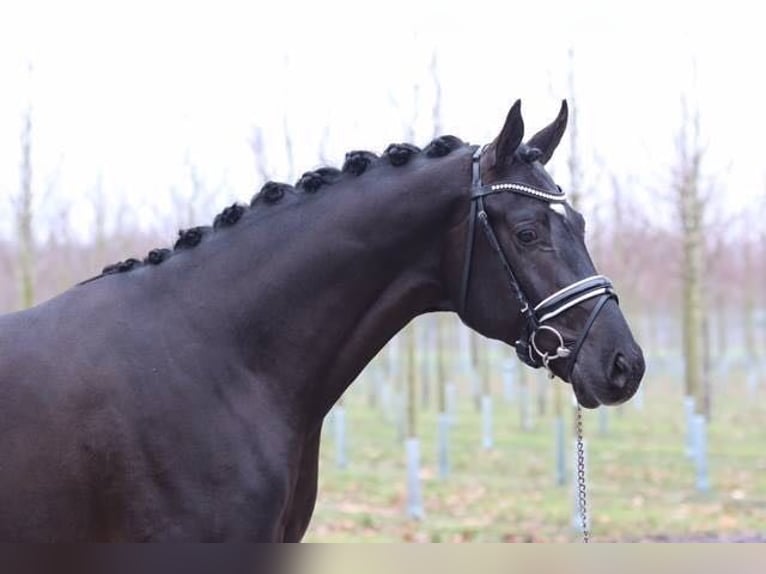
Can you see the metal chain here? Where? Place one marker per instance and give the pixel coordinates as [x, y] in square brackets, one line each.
[581, 489]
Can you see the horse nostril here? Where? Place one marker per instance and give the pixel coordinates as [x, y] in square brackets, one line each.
[621, 363]
[620, 370]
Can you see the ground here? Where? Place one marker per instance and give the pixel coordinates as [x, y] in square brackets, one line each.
[641, 485]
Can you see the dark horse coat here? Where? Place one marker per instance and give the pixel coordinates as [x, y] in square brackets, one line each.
[182, 397]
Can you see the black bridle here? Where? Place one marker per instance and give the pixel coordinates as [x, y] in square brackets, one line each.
[536, 317]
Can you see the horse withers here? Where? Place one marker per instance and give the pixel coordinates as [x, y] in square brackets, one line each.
[181, 397]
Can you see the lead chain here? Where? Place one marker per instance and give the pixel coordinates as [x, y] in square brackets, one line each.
[581, 489]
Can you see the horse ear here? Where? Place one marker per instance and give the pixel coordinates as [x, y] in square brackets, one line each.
[547, 139]
[506, 144]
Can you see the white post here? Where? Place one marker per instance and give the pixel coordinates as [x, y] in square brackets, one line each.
[509, 380]
[450, 391]
[339, 420]
[486, 418]
[700, 431]
[414, 494]
[443, 445]
[561, 464]
[525, 408]
[464, 346]
[603, 421]
[690, 437]
[400, 413]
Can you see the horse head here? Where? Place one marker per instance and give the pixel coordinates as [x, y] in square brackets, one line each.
[525, 276]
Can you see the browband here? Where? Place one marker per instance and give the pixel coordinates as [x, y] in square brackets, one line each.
[521, 189]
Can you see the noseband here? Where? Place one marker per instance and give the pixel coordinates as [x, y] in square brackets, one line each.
[537, 317]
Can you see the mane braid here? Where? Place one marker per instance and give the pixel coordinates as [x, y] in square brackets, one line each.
[188, 238]
[400, 154]
[127, 265]
[121, 266]
[229, 216]
[271, 192]
[111, 268]
[157, 256]
[311, 181]
[357, 162]
[443, 145]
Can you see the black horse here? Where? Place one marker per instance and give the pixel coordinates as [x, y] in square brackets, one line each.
[181, 397]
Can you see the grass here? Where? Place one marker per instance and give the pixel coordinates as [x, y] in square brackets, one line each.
[640, 483]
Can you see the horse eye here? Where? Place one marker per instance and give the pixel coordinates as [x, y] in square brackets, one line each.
[527, 235]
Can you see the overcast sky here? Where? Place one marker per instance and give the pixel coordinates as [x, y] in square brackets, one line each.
[136, 92]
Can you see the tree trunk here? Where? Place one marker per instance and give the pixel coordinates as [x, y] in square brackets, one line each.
[411, 429]
[24, 218]
[691, 208]
[441, 364]
[748, 321]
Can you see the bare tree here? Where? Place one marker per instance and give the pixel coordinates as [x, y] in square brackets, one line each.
[259, 155]
[436, 109]
[188, 205]
[575, 171]
[575, 197]
[749, 289]
[289, 149]
[324, 158]
[409, 122]
[263, 167]
[25, 216]
[761, 278]
[691, 207]
[98, 202]
[7, 288]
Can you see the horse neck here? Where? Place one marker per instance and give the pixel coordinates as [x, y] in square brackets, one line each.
[312, 291]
